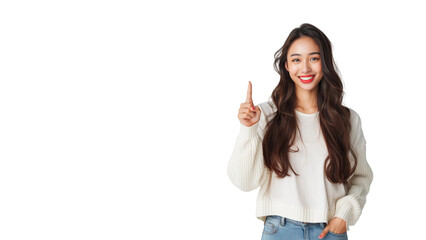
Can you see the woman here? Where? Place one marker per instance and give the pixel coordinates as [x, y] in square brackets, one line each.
[305, 150]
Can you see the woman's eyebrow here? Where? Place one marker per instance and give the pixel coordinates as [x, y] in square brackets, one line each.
[297, 54]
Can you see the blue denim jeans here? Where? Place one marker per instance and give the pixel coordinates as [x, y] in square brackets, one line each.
[280, 228]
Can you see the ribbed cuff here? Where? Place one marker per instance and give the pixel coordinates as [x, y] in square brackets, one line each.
[249, 132]
[347, 211]
[343, 212]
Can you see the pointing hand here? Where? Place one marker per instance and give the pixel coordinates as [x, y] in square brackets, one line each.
[248, 113]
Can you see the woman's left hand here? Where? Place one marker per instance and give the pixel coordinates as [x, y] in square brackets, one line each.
[336, 225]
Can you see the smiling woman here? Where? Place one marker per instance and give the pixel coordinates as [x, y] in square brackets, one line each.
[304, 65]
[305, 150]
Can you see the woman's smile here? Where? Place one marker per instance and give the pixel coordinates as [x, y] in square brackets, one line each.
[307, 78]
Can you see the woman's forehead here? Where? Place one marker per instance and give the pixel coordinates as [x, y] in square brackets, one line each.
[303, 46]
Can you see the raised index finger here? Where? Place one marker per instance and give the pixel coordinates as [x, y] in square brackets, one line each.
[249, 99]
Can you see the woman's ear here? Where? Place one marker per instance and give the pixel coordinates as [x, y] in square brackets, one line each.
[286, 66]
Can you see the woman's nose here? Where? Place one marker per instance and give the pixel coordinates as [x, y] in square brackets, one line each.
[306, 67]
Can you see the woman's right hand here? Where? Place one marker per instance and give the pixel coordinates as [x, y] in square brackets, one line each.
[248, 113]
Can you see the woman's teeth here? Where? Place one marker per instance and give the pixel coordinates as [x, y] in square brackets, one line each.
[306, 78]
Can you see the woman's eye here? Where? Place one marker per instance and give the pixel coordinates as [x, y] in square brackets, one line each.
[295, 60]
[315, 59]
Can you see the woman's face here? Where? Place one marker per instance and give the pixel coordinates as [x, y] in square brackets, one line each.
[304, 64]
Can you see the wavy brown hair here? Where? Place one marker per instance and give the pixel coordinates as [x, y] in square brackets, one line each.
[280, 131]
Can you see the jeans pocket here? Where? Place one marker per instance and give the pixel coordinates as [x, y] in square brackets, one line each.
[337, 236]
[271, 226]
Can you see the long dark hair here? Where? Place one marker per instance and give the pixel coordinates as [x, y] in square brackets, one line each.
[280, 131]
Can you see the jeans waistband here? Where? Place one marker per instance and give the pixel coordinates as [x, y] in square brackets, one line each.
[283, 220]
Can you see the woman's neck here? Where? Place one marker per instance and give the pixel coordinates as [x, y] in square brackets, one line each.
[306, 101]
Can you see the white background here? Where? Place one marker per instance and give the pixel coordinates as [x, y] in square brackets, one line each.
[117, 118]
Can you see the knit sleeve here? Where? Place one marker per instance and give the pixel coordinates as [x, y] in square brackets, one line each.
[350, 206]
[246, 167]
